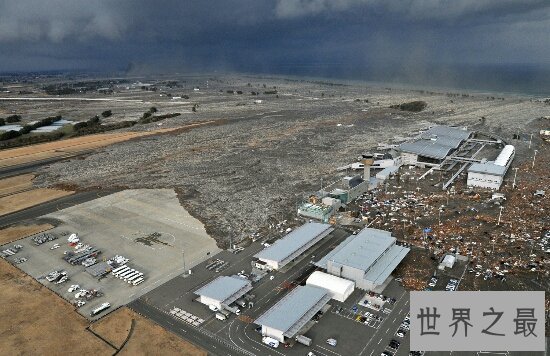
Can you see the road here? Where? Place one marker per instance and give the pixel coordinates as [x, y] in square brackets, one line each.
[215, 346]
[51, 206]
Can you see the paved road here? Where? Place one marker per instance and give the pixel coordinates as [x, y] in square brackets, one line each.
[215, 346]
[32, 166]
[51, 206]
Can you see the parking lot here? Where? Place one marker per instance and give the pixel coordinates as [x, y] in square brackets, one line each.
[115, 225]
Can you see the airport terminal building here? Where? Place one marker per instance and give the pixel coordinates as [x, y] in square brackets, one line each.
[367, 259]
[432, 147]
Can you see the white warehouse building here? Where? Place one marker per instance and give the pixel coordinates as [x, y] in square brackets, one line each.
[293, 245]
[223, 291]
[490, 174]
[367, 258]
[338, 288]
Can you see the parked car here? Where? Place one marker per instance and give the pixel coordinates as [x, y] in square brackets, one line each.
[332, 342]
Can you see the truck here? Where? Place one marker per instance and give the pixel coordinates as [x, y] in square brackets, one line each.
[234, 310]
[241, 303]
[138, 281]
[304, 340]
[136, 276]
[270, 342]
[100, 308]
[220, 316]
[131, 275]
[120, 268]
[124, 270]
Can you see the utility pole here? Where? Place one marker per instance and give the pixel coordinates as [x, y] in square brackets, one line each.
[500, 215]
[535, 156]
[183, 256]
[515, 175]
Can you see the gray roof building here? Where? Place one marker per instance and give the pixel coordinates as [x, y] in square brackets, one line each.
[225, 289]
[367, 258]
[294, 244]
[437, 142]
[294, 310]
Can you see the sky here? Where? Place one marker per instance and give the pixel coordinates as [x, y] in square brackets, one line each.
[412, 41]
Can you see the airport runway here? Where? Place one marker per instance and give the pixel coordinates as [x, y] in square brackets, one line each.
[52, 206]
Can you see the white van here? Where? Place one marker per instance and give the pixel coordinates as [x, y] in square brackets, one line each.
[220, 316]
[270, 341]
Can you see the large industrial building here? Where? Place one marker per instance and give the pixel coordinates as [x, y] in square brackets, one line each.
[290, 314]
[223, 291]
[434, 145]
[293, 245]
[490, 174]
[338, 288]
[367, 259]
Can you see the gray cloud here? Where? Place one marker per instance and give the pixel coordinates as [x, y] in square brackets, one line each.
[409, 9]
[59, 20]
[386, 39]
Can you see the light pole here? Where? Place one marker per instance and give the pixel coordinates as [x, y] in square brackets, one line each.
[183, 256]
[515, 175]
[535, 156]
[500, 215]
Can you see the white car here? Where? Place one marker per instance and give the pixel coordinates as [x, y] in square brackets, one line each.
[80, 303]
[54, 246]
[81, 293]
[74, 288]
[332, 342]
[213, 308]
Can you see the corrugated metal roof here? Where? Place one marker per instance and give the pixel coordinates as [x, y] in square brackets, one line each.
[98, 269]
[487, 168]
[437, 142]
[386, 264]
[292, 242]
[359, 251]
[294, 310]
[449, 132]
[426, 148]
[224, 288]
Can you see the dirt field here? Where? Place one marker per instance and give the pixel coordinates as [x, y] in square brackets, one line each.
[15, 184]
[20, 201]
[36, 321]
[147, 338]
[72, 146]
[14, 233]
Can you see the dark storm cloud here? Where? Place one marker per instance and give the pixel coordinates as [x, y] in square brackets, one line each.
[289, 36]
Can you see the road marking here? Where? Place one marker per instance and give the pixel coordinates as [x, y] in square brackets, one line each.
[379, 341]
[327, 350]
